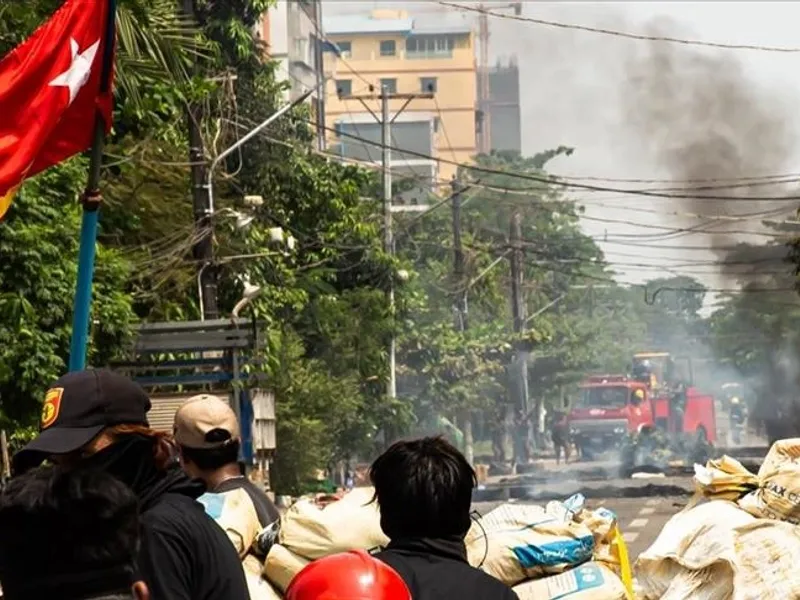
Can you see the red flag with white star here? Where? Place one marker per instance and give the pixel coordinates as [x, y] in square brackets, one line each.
[51, 90]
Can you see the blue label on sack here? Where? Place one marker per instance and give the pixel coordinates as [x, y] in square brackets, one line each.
[571, 552]
[213, 503]
[561, 587]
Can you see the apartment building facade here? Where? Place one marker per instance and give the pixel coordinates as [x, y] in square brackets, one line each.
[407, 56]
[291, 32]
[505, 115]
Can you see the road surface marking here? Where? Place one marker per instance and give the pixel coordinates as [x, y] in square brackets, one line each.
[638, 524]
[630, 536]
[647, 511]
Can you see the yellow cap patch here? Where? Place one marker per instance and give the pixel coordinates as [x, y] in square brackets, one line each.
[51, 407]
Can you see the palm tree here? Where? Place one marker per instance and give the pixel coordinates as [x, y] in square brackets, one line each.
[156, 43]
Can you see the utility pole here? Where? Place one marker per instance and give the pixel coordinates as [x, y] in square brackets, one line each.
[385, 120]
[461, 303]
[202, 251]
[519, 311]
[484, 93]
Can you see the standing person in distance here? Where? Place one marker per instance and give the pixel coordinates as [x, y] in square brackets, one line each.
[207, 433]
[96, 420]
[424, 491]
[71, 535]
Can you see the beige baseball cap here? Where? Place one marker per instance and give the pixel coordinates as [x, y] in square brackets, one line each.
[205, 422]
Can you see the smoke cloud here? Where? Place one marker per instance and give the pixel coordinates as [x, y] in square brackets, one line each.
[706, 124]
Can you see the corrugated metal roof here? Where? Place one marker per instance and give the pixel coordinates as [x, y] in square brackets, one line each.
[355, 24]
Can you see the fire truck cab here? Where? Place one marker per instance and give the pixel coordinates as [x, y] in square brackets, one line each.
[678, 407]
[609, 408]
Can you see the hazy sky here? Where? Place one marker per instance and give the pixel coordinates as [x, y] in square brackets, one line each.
[644, 110]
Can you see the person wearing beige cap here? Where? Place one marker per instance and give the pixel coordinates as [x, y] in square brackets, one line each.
[207, 433]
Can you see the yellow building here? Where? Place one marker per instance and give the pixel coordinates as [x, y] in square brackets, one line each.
[392, 49]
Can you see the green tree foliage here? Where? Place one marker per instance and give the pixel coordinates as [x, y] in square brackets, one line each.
[447, 371]
[39, 245]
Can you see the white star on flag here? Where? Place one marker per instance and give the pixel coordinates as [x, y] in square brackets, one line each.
[76, 76]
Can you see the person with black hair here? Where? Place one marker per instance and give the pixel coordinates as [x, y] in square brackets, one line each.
[207, 433]
[71, 535]
[96, 420]
[424, 491]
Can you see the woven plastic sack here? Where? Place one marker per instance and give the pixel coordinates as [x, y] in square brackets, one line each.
[282, 565]
[235, 513]
[352, 523]
[724, 478]
[778, 493]
[717, 551]
[590, 581]
[259, 588]
[518, 542]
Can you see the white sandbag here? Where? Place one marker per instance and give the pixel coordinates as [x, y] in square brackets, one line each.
[259, 588]
[352, 523]
[518, 542]
[717, 551]
[778, 493]
[724, 478]
[590, 581]
[235, 513]
[282, 565]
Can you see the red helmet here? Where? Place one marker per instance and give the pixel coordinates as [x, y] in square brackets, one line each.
[351, 575]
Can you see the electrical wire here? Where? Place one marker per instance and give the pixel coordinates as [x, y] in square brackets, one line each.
[546, 180]
[622, 34]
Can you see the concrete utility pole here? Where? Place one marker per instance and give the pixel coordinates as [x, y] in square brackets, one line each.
[519, 311]
[385, 121]
[202, 251]
[461, 303]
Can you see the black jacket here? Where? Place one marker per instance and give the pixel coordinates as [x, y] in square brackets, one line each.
[185, 555]
[437, 569]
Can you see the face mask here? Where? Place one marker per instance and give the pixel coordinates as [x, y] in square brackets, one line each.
[130, 460]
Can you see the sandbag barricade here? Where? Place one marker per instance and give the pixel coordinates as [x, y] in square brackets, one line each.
[717, 551]
[515, 543]
[589, 581]
[352, 523]
[539, 549]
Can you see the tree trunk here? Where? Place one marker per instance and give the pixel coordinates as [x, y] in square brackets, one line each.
[469, 446]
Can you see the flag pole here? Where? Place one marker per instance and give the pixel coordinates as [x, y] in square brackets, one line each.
[91, 201]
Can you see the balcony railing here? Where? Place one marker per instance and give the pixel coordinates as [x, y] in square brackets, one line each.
[408, 55]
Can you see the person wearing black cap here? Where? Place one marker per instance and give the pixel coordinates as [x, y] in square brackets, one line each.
[97, 420]
[90, 522]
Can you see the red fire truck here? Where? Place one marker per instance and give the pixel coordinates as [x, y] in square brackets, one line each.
[655, 396]
[679, 407]
[610, 407]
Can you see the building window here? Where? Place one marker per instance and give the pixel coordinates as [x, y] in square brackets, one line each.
[430, 46]
[346, 48]
[428, 85]
[436, 124]
[388, 48]
[344, 87]
[390, 85]
[337, 129]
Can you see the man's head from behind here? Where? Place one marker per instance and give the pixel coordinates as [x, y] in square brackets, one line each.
[207, 432]
[424, 489]
[72, 535]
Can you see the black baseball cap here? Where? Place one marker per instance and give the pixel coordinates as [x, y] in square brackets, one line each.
[78, 407]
